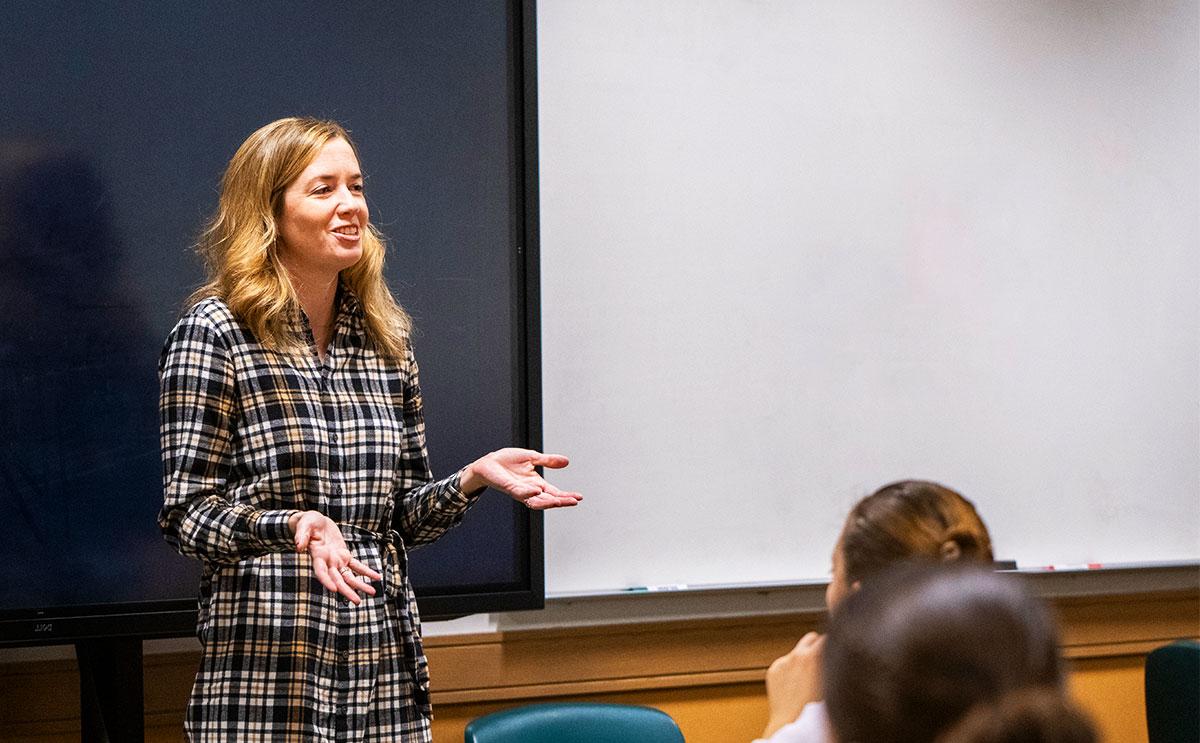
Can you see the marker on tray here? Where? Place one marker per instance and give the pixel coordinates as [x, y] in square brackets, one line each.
[657, 589]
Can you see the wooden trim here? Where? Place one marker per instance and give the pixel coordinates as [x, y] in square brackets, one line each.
[597, 686]
[1126, 625]
[529, 664]
[38, 698]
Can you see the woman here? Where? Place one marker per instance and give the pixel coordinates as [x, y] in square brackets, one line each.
[295, 462]
[947, 654]
[906, 520]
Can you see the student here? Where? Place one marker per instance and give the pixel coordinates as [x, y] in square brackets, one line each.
[947, 654]
[910, 519]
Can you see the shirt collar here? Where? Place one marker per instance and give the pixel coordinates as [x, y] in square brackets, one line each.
[349, 316]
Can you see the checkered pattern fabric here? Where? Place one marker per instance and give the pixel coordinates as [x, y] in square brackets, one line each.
[249, 437]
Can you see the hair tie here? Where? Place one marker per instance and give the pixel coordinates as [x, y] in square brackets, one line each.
[950, 550]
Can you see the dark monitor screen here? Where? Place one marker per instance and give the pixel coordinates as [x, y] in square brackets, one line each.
[117, 124]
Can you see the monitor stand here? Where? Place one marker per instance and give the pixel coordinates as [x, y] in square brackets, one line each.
[111, 702]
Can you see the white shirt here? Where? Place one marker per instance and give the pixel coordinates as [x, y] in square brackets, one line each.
[812, 726]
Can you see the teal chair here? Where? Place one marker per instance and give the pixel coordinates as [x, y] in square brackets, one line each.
[575, 722]
[1173, 693]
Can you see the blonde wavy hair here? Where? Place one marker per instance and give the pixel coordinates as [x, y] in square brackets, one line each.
[240, 243]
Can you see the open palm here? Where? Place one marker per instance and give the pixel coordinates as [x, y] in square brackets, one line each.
[514, 472]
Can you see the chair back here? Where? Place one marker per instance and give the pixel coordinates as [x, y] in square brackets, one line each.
[1173, 693]
[575, 722]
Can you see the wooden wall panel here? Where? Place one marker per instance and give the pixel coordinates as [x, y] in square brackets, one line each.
[611, 658]
[707, 674]
[1111, 690]
[726, 713]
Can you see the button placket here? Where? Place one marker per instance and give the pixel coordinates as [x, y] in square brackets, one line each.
[329, 410]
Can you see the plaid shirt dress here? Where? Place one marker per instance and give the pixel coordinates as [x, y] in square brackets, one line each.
[249, 437]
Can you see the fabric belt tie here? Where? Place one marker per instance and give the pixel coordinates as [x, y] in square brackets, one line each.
[395, 587]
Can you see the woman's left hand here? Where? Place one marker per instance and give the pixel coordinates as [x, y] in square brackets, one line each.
[512, 471]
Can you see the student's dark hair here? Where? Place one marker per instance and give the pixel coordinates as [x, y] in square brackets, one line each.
[911, 519]
[922, 647]
[1028, 716]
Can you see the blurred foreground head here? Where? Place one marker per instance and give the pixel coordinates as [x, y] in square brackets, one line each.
[927, 653]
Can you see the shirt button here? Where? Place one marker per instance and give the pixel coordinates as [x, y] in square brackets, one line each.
[337, 489]
[333, 437]
[344, 656]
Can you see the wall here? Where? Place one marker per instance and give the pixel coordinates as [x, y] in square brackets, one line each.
[706, 673]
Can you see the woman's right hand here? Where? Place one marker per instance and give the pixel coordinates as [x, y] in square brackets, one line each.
[793, 681]
[335, 567]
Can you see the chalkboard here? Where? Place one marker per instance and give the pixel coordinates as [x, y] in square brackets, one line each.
[794, 251]
[118, 122]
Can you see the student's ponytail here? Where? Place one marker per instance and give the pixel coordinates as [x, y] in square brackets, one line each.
[968, 544]
[912, 519]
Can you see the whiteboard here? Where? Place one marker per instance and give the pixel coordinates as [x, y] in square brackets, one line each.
[792, 251]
